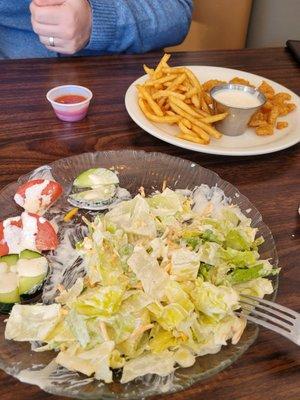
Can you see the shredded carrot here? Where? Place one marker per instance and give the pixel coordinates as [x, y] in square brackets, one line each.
[140, 330]
[142, 191]
[60, 288]
[138, 285]
[168, 267]
[104, 331]
[71, 214]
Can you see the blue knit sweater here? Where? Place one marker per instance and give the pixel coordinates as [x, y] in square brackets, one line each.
[119, 26]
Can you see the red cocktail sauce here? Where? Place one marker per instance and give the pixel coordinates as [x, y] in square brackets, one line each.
[70, 99]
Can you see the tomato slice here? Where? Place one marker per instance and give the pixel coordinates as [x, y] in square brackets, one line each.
[53, 191]
[4, 249]
[46, 237]
[3, 245]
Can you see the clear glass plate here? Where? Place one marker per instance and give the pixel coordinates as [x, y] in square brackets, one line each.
[136, 168]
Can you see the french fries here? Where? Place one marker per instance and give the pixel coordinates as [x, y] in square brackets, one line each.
[166, 119]
[175, 96]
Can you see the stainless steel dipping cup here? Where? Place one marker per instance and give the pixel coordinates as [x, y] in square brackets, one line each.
[237, 119]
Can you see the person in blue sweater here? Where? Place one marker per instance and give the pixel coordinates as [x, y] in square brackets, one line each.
[50, 28]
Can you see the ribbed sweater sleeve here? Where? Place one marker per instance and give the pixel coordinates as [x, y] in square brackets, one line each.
[136, 26]
[104, 24]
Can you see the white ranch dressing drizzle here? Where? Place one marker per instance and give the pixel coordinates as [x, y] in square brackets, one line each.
[34, 201]
[32, 268]
[18, 239]
[12, 235]
[9, 284]
[29, 231]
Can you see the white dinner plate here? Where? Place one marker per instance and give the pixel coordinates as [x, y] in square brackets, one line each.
[247, 144]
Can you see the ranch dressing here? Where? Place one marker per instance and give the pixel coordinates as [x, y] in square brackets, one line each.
[237, 98]
[34, 200]
[12, 235]
[29, 232]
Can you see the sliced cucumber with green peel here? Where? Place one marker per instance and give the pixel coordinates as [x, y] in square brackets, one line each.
[96, 198]
[96, 177]
[29, 254]
[31, 274]
[22, 279]
[3, 268]
[10, 259]
[9, 291]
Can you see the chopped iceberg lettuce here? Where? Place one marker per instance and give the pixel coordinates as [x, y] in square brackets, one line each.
[163, 279]
[103, 301]
[258, 287]
[184, 357]
[148, 271]
[32, 322]
[160, 364]
[88, 362]
[134, 217]
[67, 297]
[78, 327]
[185, 265]
[214, 300]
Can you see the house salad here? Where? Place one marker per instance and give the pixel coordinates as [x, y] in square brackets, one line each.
[164, 274]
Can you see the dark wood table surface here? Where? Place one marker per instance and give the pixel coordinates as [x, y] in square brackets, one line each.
[30, 135]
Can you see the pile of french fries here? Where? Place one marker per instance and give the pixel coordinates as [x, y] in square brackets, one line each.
[175, 96]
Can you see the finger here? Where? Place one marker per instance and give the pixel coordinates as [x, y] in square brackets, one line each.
[61, 50]
[46, 15]
[43, 3]
[47, 30]
[57, 41]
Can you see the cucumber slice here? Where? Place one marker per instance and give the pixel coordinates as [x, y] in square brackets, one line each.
[94, 199]
[4, 268]
[10, 259]
[31, 274]
[29, 255]
[30, 285]
[9, 292]
[99, 194]
[96, 177]
[5, 308]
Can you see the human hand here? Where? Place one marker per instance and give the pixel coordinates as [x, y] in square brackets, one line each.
[68, 22]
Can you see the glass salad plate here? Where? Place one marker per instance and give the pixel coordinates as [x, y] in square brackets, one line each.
[135, 168]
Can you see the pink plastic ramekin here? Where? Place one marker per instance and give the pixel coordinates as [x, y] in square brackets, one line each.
[70, 112]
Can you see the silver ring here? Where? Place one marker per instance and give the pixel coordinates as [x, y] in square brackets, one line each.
[51, 41]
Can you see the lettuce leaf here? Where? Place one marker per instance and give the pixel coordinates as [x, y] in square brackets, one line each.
[161, 340]
[94, 361]
[184, 357]
[148, 271]
[185, 265]
[211, 299]
[258, 287]
[238, 258]
[133, 216]
[175, 294]
[171, 316]
[166, 203]
[32, 322]
[100, 301]
[160, 364]
[78, 327]
[67, 297]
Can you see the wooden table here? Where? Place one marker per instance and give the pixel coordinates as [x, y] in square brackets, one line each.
[30, 135]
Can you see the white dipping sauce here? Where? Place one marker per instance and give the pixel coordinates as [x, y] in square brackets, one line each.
[237, 98]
